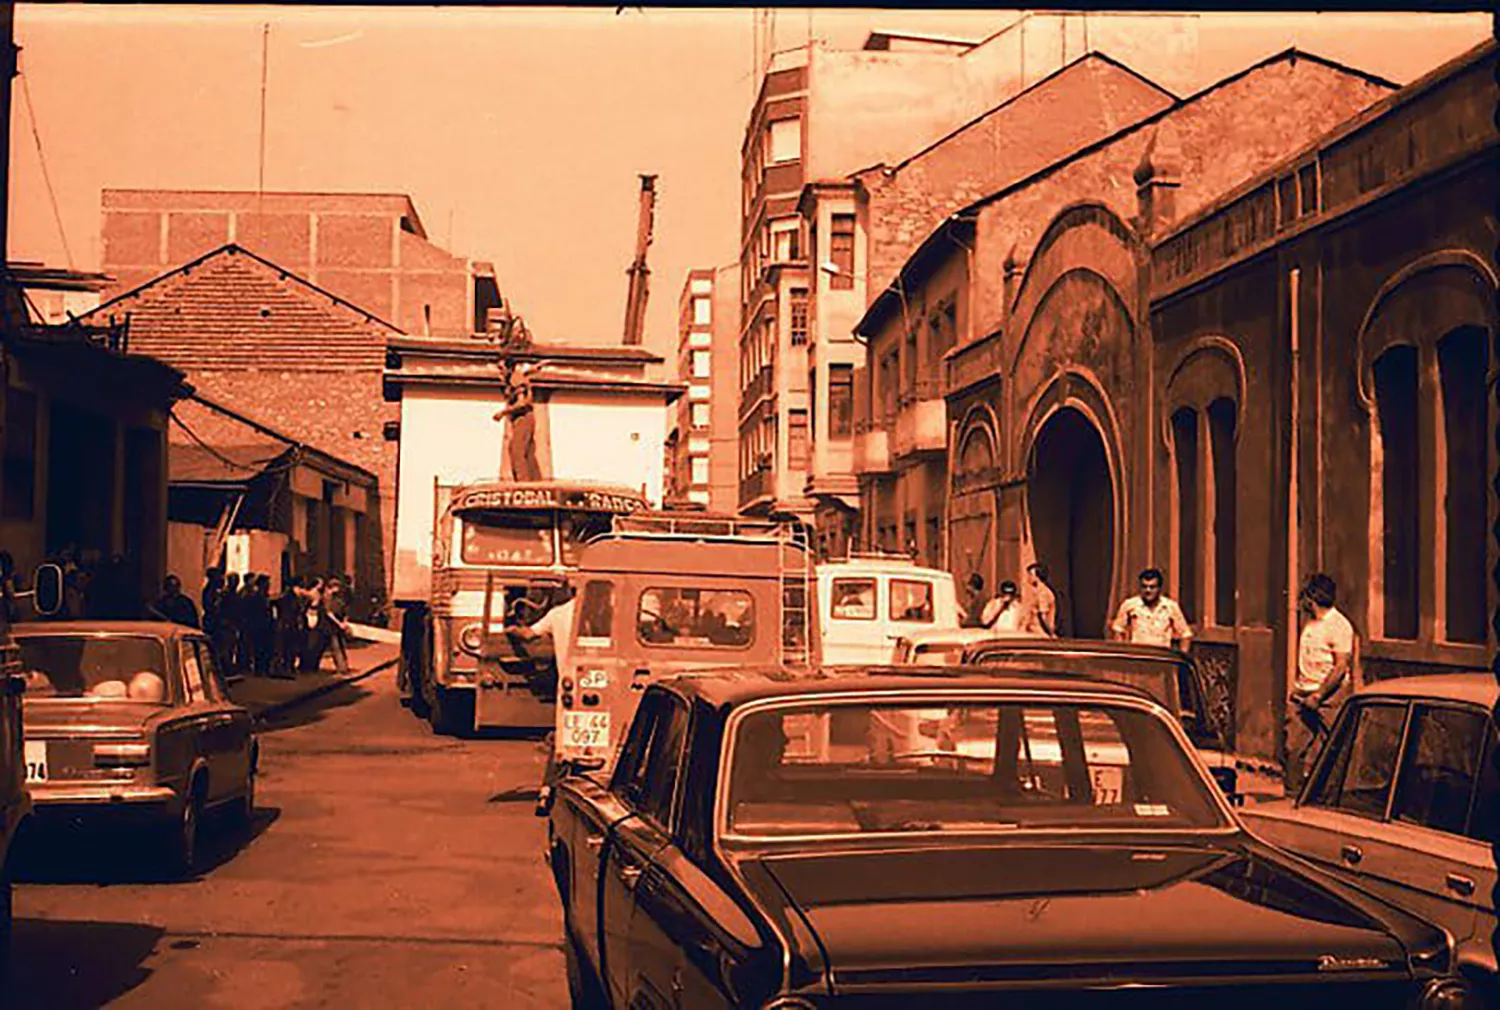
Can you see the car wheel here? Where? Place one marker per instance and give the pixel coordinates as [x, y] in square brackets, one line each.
[183, 846]
[583, 985]
[244, 807]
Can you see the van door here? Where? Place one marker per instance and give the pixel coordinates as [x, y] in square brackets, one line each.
[910, 606]
[853, 631]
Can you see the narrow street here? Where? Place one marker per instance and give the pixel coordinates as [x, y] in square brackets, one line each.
[389, 867]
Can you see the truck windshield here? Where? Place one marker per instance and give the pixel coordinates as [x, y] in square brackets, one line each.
[122, 667]
[937, 765]
[522, 539]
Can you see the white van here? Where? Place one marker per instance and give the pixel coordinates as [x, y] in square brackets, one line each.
[868, 603]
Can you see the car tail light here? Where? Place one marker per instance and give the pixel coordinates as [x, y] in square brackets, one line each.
[122, 755]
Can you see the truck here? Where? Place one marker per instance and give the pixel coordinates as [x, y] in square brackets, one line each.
[501, 555]
[661, 594]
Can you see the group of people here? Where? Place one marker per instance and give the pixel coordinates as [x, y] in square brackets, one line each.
[254, 632]
[1009, 612]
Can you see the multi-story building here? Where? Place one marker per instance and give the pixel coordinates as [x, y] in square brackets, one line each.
[821, 116]
[368, 248]
[704, 438]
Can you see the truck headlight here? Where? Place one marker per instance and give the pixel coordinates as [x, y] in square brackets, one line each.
[471, 639]
[1451, 993]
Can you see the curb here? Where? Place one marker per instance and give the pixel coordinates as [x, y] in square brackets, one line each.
[322, 689]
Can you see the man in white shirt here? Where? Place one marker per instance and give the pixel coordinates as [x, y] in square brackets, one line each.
[1006, 613]
[1325, 661]
[1152, 618]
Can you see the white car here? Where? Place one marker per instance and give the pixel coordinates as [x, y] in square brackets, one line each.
[1404, 801]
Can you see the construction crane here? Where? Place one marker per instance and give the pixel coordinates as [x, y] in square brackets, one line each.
[640, 274]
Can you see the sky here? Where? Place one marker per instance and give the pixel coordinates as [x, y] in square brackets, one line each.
[519, 133]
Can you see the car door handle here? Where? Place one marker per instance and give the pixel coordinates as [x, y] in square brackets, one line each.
[629, 876]
[594, 842]
[1352, 854]
[1460, 884]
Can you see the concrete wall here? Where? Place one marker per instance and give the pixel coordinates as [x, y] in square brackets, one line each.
[610, 437]
[448, 435]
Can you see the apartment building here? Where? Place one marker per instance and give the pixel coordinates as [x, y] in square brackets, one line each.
[820, 118]
[704, 436]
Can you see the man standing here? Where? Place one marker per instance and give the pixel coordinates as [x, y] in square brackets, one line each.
[1152, 618]
[1325, 660]
[1005, 613]
[1043, 610]
[174, 605]
[974, 602]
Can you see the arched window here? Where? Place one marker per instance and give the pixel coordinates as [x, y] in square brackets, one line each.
[1221, 424]
[1462, 367]
[1185, 451]
[1396, 407]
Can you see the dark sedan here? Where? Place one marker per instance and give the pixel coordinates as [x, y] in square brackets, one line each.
[919, 838]
[131, 720]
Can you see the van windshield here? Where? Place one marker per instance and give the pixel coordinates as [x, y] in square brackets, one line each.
[695, 617]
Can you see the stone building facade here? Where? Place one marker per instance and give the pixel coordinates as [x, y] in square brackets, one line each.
[1118, 396]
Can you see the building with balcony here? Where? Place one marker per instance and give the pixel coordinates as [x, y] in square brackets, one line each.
[1162, 337]
[704, 441]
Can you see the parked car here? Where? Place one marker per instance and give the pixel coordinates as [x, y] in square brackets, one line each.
[867, 602]
[15, 801]
[752, 850]
[1404, 800]
[944, 646]
[131, 720]
[1169, 676]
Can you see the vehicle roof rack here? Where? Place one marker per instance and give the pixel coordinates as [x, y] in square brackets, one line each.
[700, 526]
[874, 556]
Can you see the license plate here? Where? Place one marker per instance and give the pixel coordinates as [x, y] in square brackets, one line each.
[593, 680]
[1109, 785]
[585, 729]
[36, 761]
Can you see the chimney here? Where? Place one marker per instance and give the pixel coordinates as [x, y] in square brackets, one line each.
[1157, 179]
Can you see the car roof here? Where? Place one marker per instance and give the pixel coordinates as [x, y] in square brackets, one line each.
[956, 636]
[158, 629]
[740, 685]
[1480, 688]
[856, 567]
[1079, 646]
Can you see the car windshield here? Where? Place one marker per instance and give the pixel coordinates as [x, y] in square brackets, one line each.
[1161, 680]
[855, 767]
[120, 667]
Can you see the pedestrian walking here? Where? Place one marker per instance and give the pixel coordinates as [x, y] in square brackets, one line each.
[974, 602]
[1006, 613]
[227, 645]
[255, 640]
[1325, 675]
[1152, 617]
[1042, 608]
[175, 606]
[336, 610]
[316, 641]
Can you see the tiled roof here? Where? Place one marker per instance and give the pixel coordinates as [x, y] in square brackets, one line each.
[222, 463]
[233, 309]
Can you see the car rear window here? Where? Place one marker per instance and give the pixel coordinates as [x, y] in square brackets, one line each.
[939, 764]
[122, 667]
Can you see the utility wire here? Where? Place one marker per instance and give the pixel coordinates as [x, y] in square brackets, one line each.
[258, 467]
[41, 154]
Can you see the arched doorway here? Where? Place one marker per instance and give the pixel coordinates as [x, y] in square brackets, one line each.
[1071, 506]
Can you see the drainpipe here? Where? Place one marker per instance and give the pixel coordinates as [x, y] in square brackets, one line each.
[1293, 576]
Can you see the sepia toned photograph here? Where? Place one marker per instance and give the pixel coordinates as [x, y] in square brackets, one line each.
[648, 508]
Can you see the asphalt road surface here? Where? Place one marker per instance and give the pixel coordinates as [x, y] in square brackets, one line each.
[387, 867]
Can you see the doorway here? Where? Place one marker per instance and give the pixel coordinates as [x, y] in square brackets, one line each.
[1070, 499]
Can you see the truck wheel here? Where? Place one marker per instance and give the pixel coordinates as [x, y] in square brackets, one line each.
[452, 712]
[583, 984]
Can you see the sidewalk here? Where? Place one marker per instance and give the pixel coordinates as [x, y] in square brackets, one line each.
[265, 696]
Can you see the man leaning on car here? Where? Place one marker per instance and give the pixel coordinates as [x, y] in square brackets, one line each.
[1325, 655]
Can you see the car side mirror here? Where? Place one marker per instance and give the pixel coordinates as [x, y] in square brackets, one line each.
[47, 590]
